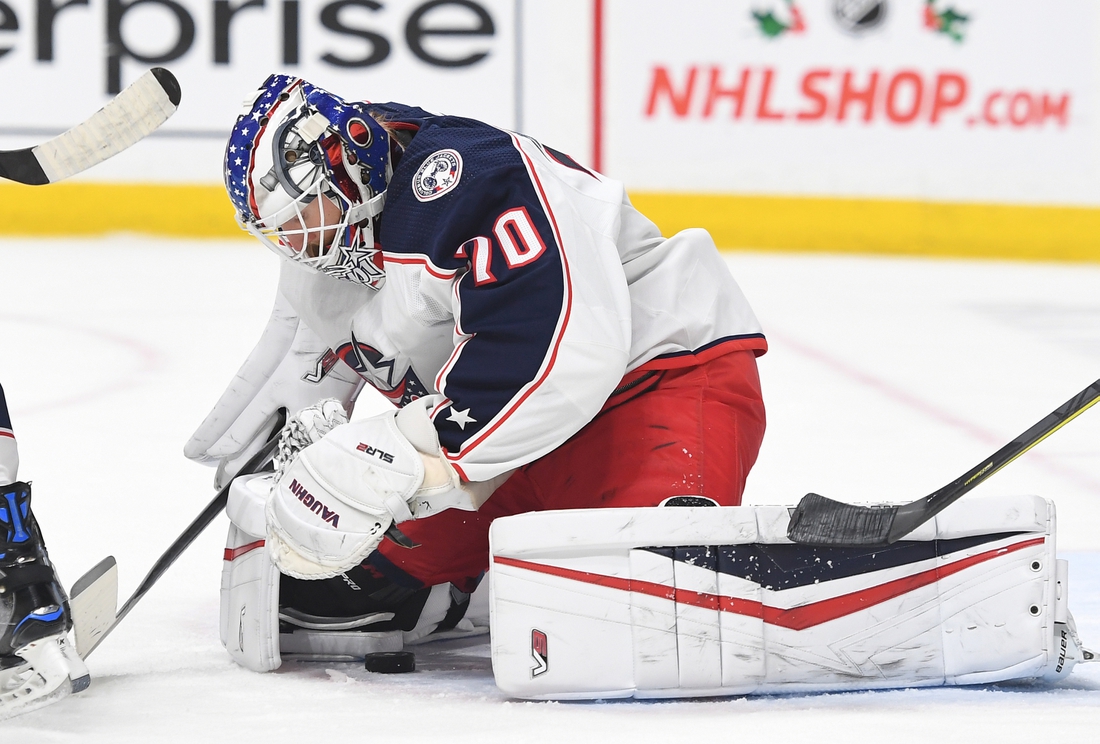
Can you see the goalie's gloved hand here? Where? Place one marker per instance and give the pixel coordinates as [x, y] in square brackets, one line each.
[304, 428]
[336, 499]
[290, 367]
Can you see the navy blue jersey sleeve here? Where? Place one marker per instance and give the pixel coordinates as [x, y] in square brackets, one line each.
[5, 419]
[491, 229]
[9, 452]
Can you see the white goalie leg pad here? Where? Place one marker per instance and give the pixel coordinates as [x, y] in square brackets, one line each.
[695, 601]
[249, 623]
[250, 618]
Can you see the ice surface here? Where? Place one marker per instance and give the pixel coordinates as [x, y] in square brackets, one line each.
[886, 379]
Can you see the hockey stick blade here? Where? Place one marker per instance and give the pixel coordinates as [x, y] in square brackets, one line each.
[127, 118]
[818, 520]
[822, 521]
[93, 600]
[198, 524]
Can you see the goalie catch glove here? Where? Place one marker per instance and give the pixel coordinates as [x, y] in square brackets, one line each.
[291, 368]
[304, 428]
[335, 501]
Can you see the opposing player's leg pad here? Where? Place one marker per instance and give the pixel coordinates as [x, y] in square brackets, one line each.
[716, 601]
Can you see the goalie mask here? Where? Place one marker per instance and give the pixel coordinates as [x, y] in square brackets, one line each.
[307, 173]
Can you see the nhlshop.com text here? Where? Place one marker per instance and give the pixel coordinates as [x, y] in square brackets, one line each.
[901, 98]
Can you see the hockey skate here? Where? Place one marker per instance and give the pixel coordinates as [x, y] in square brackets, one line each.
[38, 666]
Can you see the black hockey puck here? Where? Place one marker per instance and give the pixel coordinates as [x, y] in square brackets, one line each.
[390, 662]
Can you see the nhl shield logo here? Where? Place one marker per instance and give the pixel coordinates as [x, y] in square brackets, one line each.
[857, 17]
[437, 175]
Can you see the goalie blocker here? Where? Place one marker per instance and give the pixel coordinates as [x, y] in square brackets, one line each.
[691, 602]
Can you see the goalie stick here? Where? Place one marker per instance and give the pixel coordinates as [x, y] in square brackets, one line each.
[818, 520]
[95, 593]
[93, 600]
[128, 117]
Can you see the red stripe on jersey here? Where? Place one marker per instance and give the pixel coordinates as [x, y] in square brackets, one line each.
[501, 418]
[441, 378]
[396, 394]
[439, 407]
[756, 344]
[796, 618]
[7, 433]
[421, 261]
[232, 554]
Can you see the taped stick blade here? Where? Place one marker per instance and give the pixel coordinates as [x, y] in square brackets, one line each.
[134, 113]
[818, 520]
[93, 600]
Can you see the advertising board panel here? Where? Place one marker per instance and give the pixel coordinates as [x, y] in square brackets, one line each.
[981, 100]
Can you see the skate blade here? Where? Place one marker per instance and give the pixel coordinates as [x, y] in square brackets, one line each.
[78, 671]
[53, 671]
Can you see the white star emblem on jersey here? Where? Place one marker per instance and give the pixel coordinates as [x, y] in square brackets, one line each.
[461, 418]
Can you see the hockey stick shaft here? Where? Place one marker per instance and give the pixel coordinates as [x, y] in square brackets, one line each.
[198, 524]
[821, 521]
[1051, 423]
[127, 118]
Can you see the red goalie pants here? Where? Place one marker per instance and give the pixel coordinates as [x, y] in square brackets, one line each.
[675, 432]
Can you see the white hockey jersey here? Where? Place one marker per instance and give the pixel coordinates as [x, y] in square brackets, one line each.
[9, 452]
[520, 288]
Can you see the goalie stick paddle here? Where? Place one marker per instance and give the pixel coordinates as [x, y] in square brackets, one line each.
[818, 520]
[93, 600]
[127, 118]
[188, 536]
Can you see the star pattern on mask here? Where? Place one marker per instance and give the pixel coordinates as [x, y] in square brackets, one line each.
[242, 141]
[356, 264]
